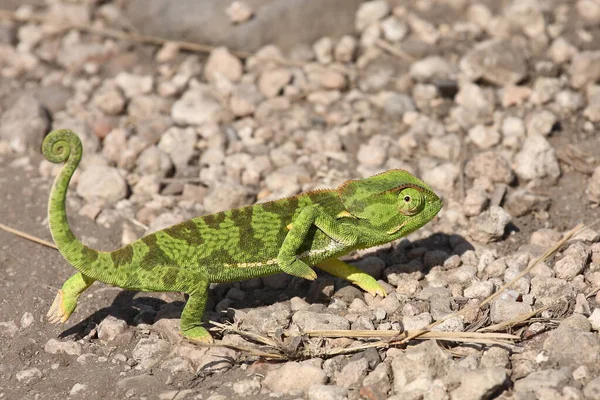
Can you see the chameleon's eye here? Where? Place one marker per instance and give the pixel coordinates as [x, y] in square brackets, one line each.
[411, 201]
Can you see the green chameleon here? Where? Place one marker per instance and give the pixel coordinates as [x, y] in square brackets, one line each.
[263, 239]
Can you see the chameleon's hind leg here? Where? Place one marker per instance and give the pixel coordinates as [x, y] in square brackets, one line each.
[66, 299]
[353, 274]
[191, 317]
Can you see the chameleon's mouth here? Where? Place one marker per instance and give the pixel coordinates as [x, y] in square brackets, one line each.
[396, 229]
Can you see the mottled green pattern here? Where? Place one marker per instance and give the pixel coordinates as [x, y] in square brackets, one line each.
[284, 235]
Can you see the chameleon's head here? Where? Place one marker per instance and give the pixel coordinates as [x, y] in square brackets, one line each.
[395, 201]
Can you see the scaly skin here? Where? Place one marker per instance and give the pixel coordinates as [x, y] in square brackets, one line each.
[284, 235]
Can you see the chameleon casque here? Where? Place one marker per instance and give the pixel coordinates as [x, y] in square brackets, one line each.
[286, 235]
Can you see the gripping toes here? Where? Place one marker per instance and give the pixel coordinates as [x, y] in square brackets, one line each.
[197, 334]
[60, 310]
[299, 268]
[370, 285]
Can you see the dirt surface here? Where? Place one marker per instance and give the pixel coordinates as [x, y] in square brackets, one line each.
[495, 104]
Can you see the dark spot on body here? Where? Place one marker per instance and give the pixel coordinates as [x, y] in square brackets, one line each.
[123, 256]
[187, 231]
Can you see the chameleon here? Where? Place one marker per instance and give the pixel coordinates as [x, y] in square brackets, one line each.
[287, 235]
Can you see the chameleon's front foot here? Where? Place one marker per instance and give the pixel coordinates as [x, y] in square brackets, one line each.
[298, 268]
[197, 334]
[61, 309]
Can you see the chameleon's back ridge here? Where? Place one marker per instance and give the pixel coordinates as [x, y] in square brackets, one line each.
[288, 235]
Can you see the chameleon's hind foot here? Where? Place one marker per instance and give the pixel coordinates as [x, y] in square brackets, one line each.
[370, 285]
[61, 309]
[197, 334]
[300, 269]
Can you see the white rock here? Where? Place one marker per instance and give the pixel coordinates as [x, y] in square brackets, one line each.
[148, 352]
[133, 85]
[393, 29]
[54, 346]
[101, 184]
[323, 49]
[110, 328]
[272, 82]
[294, 376]
[327, 392]
[370, 12]
[24, 123]
[345, 49]
[28, 376]
[537, 160]
[222, 62]
[197, 106]
[239, 12]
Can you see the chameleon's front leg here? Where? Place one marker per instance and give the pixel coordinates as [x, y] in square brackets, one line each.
[287, 258]
[353, 274]
[66, 299]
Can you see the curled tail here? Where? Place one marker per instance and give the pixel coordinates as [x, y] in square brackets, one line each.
[64, 146]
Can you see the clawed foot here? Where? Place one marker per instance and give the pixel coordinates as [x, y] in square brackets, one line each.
[371, 286]
[61, 309]
[197, 334]
[300, 269]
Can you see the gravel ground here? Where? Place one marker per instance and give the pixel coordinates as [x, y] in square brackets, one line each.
[494, 104]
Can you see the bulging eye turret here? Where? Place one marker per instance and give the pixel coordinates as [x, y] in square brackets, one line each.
[411, 201]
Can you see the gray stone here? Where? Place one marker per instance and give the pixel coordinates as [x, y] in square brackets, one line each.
[540, 123]
[101, 184]
[24, 124]
[266, 319]
[179, 144]
[154, 161]
[247, 387]
[583, 69]
[480, 384]
[479, 290]
[537, 381]
[593, 187]
[222, 62]
[327, 392]
[537, 160]
[489, 164]
[594, 319]
[216, 360]
[430, 69]
[370, 12]
[309, 321]
[148, 352]
[423, 362]
[278, 22]
[28, 376]
[496, 61]
[272, 81]
[294, 376]
[78, 389]
[489, 226]
[417, 322]
[197, 106]
[352, 373]
[133, 85]
[548, 290]
[225, 196]
[592, 389]
[54, 346]
[177, 365]
[506, 310]
[560, 349]
[8, 328]
[111, 327]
